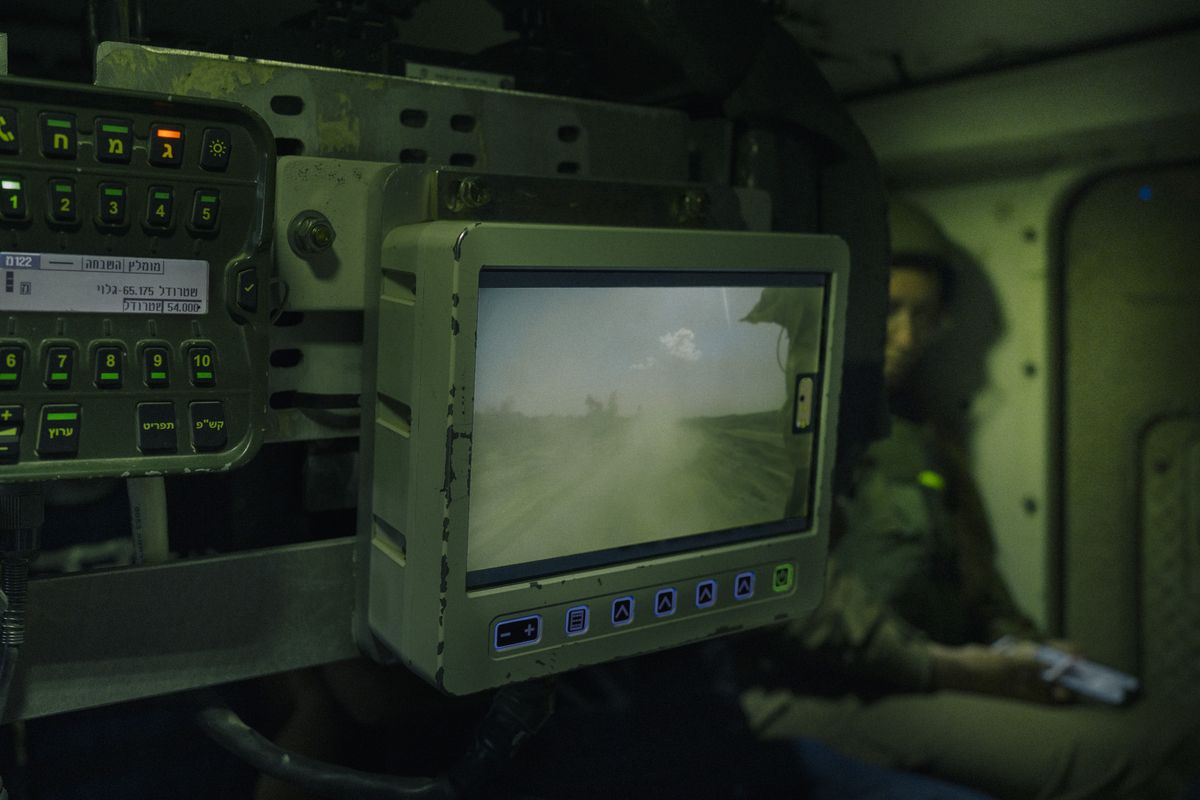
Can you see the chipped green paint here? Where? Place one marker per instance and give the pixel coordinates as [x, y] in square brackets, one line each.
[220, 78]
[192, 75]
[122, 59]
[339, 129]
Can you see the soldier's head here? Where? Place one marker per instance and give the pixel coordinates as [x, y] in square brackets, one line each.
[919, 289]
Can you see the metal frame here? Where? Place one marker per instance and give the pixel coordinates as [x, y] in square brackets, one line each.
[107, 637]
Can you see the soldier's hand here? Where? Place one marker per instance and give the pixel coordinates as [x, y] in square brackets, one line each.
[1014, 672]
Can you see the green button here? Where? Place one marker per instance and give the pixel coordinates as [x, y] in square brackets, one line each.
[782, 577]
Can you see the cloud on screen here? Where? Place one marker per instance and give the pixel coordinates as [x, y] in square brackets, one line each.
[681, 344]
[645, 364]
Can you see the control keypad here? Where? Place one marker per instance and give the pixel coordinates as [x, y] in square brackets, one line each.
[96, 185]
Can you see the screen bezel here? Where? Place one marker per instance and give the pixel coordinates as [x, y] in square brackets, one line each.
[413, 520]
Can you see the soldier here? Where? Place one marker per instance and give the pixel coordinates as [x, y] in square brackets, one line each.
[894, 667]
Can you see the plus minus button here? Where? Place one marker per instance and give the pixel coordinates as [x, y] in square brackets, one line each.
[519, 632]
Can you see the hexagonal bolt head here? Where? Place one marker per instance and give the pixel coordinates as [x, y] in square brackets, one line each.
[310, 233]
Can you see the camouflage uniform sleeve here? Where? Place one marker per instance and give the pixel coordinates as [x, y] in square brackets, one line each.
[986, 593]
[862, 638]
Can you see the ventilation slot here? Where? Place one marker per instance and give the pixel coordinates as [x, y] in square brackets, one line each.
[568, 167]
[463, 123]
[289, 147]
[462, 159]
[568, 133]
[289, 319]
[393, 414]
[285, 399]
[412, 155]
[289, 357]
[288, 105]
[399, 285]
[413, 118]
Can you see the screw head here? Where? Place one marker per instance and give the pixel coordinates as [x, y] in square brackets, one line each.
[311, 232]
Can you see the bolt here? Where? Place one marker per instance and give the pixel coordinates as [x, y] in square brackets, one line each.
[310, 233]
[474, 193]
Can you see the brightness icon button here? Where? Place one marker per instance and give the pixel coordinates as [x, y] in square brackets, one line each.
[215, 149]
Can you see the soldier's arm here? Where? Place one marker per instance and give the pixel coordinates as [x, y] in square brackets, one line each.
[862, 637]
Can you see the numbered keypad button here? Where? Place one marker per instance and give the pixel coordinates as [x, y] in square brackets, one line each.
[202, 364]
[12, 197]
[160, 207]
[108, 367]
[63, 204]
[114, 202]
[156, 368]
[205, 209]
[60, 363]
[11, 360]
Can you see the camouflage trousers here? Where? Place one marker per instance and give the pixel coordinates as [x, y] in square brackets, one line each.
[1007, 748]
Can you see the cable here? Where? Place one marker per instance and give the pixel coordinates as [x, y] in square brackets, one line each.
[339, 783]
[22, 511]
[517, 712]
[148, 519]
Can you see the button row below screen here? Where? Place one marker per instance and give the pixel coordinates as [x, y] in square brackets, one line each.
[526, 630]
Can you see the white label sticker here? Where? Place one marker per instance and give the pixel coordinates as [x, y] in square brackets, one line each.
[63, 282]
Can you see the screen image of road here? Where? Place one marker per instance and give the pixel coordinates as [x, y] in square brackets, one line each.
[616, 416]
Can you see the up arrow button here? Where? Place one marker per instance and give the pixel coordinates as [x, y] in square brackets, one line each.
[743, 586]
[664, 602]
[622, 611]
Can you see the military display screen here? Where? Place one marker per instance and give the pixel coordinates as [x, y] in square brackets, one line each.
[66, 282]
[620, 416]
